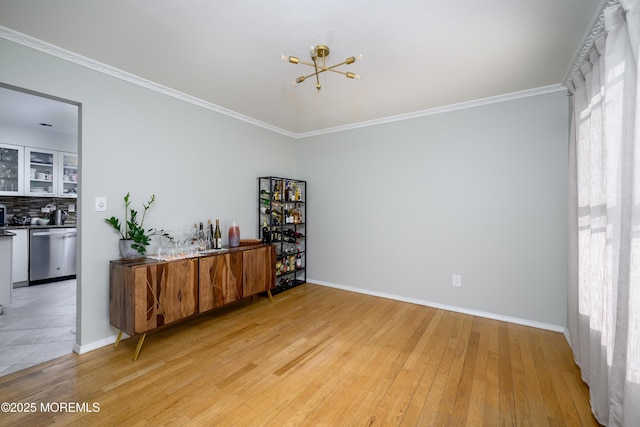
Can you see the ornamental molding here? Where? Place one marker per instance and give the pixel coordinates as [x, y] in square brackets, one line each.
[589, 42]
[58, 52]
[83, 61]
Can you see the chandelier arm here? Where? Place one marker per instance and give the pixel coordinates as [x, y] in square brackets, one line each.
[313, 74]
[315, 65]
[310, 64]
[344, 73]
[320, 67]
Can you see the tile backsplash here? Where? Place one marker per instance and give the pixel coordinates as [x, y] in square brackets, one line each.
[31, 206]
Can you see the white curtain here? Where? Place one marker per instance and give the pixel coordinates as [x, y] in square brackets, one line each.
[604, 270]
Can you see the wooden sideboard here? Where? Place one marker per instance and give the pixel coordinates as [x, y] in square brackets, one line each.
[147, 294]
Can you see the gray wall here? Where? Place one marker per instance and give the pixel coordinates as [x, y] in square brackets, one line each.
[397, 209]
[200, 165]
[394, 209]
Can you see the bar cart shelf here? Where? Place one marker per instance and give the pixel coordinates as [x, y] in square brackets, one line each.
[282, 219]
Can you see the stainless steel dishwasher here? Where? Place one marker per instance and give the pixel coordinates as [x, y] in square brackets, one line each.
[52, 254]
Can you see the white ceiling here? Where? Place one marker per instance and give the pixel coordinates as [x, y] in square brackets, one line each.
[23, 109]
[418, 55]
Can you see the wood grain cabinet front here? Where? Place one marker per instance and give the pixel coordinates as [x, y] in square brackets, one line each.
[220, 280]
[259, 275]
[147, 296]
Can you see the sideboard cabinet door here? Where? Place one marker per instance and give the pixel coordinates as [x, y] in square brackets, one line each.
[165, 293]
[149, 295]
[220, 280]
[258, 270]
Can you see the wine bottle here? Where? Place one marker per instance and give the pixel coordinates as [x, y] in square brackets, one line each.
[268, 211]
[217, 236]
[292, 233]
[234, 234]
[209, 235]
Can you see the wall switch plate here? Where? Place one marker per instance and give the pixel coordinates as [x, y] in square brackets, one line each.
[71, 208]
[101, 204]
[457, 281]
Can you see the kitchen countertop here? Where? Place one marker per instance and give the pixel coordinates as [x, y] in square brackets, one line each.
[6, 233]
[28, 227]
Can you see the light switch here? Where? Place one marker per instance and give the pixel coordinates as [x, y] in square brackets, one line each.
[71, 208]
[101, 204]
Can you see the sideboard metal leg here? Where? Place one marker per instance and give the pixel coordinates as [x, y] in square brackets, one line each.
[117, 343]
[139, 346]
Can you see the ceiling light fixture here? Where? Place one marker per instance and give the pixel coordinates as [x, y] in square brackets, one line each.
[320, 66]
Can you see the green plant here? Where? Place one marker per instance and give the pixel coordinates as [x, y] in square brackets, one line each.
[134, 230]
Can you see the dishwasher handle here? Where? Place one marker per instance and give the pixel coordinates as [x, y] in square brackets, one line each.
[54, 233]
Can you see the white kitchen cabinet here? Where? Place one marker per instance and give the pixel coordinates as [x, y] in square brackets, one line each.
[68, 175]
[11, 170]
[41, 172]
[20, 256]
[6, 241]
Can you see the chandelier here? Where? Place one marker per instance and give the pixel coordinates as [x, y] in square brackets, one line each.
[321, 51]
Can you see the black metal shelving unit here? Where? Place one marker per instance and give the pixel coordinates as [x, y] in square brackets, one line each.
[282, 218]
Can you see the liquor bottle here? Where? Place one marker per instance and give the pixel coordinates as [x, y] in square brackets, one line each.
[277, 194]
[201, 240]
[298, 261]
[298, 194]
[217, 236]
[234, 234]
[194, 235]
[266, 234]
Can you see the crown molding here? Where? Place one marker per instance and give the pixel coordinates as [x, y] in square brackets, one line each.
[36, 44]
[33, 43]
[439, 110]
[597, 28]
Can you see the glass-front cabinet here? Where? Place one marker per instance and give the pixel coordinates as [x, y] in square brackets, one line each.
[68, 175]
[11, 173]
[41, 176]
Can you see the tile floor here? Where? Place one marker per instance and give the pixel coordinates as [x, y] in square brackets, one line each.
[38, 325]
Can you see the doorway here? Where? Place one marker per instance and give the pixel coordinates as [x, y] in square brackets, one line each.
[41, 322]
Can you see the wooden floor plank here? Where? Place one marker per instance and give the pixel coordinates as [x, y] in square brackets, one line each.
[317, 356]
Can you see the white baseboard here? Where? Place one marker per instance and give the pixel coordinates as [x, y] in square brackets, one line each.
[515, 320]
[493, 316]
[81, 349]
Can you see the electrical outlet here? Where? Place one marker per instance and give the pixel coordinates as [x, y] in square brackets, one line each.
[457, 281]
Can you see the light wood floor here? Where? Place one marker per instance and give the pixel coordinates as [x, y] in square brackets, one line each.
[317, 357]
